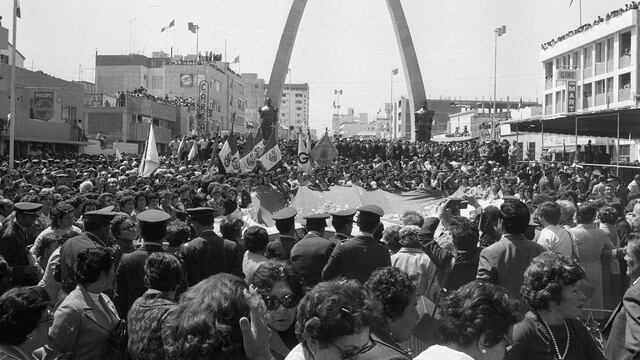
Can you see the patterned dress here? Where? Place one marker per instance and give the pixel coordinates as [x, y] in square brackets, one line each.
[145, 320]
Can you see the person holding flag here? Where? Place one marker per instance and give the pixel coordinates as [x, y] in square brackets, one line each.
[229, 154]
[254, 147]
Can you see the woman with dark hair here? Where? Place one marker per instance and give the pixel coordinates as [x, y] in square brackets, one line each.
[140, 203]
[256, 239]
[476, 322]
[85, 320]
[487, 224]
[612, 277]
[125, 232]
[281, 288]
[178, 233]
[552, 329]
[593, 244]
[396, 293]
[61, 223]
[210, 322]
[162, 276]
[85, 207]
[25, 318]
[334, 321]
[391, 237]
[231, 229]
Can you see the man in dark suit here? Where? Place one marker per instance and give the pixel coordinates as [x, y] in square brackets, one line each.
[280, 249]
[97, 229]
[342, 222]
[13, 244]
[311, 253]
[623, 329]
[504, 262]
[358, 257]
[209, 254]
[129, 284]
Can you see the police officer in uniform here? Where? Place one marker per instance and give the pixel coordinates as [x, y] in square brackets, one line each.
[342, 222]
[129, 283]
[311, 253]
[280, 249]
[357, 257]
[97, 225]
[208, 254]
[14, 241]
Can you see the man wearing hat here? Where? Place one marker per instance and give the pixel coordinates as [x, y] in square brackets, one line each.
[565, 183]
[342, 222]
[97, 226]
[280, 249]
[357, 257]
[129, 282]
[13, 245]
[209, 254]
[311, 253]
[621, 192]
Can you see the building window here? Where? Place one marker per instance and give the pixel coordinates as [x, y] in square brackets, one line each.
[298, 101]
[299, 95]
[624, 87]
[531, 150]
[599, 52]
[156, 82]
[298, 108]
[217, 86]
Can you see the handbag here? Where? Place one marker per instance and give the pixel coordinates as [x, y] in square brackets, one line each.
[426, 328]
[118, 342]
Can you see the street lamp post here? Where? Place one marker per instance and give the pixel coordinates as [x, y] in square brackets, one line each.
[499, 31]
[392, 111]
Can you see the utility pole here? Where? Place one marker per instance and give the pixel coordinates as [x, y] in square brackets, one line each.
[12, 104]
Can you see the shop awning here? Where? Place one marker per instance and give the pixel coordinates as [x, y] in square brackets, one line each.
[601, 123]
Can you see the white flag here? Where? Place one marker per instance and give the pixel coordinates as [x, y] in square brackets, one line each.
[229, 156]
[150, 160]
[304, 161]
[194, 151]
[272, 154]
[118, 155]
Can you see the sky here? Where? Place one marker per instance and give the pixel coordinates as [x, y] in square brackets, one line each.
[348, 45]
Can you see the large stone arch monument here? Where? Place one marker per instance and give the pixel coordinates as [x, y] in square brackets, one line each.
[422, 117]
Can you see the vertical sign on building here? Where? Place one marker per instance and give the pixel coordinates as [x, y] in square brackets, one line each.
[203, 105]
[571, 96]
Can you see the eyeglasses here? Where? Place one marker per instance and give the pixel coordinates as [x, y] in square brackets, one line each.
[289, 301]
[351, 353]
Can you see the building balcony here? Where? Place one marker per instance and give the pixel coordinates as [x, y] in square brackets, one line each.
[609, 97]
[624, 94]
[624, 61]
[587, 102]
[601, 68]
[588, 72]
[600, 99]
[548, 110]
[548, 83]
[609, 65]
[560, 107]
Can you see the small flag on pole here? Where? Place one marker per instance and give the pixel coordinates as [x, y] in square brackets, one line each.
[394, 71]
[194, 151]
[501, 30]
[193, 27]
[173, 22]
[18, 14]
[236, 60]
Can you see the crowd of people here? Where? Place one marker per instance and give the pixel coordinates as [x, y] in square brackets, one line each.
[584, 27]
[177, 101]
[520, 260]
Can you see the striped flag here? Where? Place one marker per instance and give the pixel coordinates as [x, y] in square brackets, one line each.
[230, 156]
[171, 24]
[272, 155]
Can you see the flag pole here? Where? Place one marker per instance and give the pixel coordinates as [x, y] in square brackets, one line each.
[12, 105]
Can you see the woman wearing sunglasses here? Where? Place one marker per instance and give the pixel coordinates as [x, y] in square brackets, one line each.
[281, 289]
[552, 329]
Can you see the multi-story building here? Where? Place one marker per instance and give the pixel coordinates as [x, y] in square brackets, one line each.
[49, 110]
[254, 88]
[223, 95]
[294, 107]
[590, 93]
[596, 67]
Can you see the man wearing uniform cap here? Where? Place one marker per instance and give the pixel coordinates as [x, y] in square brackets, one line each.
[342, 222]
[280, 249]
[97, 226]
[129, 281]
[13, 245]
[358, 257]
[311, 253]
[209, 254]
